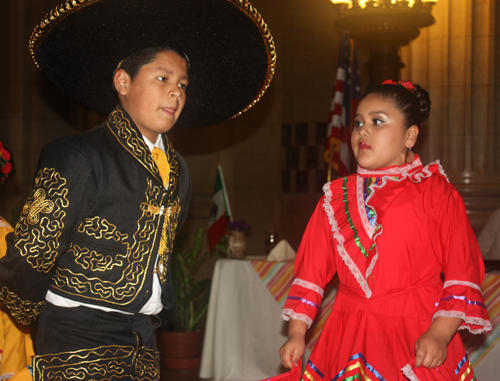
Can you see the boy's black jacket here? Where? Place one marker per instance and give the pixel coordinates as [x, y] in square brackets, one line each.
[91, 229]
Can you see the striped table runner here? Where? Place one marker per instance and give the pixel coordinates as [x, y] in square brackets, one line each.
[479, 345]
[277, 276]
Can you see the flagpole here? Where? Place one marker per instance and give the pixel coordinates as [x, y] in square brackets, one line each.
[226, 199]
[330, 161]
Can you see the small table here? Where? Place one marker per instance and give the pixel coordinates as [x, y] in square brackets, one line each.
[244, 330]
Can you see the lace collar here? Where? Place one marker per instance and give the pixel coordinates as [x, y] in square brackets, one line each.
[391, 171]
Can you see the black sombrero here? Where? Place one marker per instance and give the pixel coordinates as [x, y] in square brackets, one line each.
[232, 56]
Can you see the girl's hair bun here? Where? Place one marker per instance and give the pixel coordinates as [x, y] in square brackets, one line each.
[425, 102]
[410, 99]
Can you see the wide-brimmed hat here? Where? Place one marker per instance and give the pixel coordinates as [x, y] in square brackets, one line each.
[231, 52]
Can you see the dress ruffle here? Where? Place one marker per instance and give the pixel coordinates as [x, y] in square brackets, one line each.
[464, 302]
[303, 302]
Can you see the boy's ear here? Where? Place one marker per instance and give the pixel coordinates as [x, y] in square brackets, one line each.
[411, 136]
[122, 81]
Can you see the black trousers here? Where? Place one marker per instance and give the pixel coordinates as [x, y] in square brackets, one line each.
[87, 344]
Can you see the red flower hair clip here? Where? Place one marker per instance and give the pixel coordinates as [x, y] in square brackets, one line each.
[407, 85]
[5, 164]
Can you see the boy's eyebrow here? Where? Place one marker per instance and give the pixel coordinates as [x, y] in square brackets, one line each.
[168, 71]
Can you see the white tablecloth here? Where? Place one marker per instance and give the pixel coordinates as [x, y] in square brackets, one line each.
[244, 329]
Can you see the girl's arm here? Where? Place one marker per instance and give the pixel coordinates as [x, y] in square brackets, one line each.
[295, 346]
[430, 349]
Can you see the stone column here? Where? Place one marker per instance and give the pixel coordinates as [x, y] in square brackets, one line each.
[457, 60]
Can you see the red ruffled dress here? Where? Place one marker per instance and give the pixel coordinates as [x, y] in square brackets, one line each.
[389, 234]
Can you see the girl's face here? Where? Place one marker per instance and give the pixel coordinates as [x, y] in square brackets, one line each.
[379, 138]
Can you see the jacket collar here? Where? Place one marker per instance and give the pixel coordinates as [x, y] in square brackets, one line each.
[129, 137]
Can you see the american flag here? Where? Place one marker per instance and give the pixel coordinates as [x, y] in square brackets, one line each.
[346, 96]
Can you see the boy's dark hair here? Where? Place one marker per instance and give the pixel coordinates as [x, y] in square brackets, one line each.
[133, 63]
[414, 104]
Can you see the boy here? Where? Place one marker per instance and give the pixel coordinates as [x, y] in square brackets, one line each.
[94, 239]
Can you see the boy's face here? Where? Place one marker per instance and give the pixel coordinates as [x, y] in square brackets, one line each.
[155, 98]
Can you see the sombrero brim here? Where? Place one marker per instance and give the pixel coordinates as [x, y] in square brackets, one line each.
[230, 49]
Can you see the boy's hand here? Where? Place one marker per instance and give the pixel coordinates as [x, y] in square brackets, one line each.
[293, 350]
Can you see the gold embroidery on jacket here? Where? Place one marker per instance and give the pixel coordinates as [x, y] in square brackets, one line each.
[131, 141]
[167, 237]
[136, 257]
[98, 228]
[120, 291]
[128, 137]
[150, 209]
[91, 260]
[102, 363]
[39, 205]
[38, 231]
[24, 311]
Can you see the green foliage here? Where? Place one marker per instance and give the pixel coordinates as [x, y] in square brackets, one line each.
[191, 295]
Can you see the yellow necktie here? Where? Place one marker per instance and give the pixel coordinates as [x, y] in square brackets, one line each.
[162, 163]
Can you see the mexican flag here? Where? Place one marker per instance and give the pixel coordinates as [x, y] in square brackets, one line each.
[220, 212]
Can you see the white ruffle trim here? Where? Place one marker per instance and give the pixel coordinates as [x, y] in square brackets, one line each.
[309, 285]
[288, 314]
[390, 171]
[449, 283]
[340, 239]
[408, 372]
[486, 324]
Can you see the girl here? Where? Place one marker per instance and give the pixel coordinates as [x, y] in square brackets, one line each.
[408, 262]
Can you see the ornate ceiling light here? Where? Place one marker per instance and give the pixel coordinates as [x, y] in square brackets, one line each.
[384, 26]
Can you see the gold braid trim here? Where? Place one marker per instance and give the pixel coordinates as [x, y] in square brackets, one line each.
[93, 261]
[40, 226]
[102, 229]
[24, 311]
[255, 16]
[168, 230]
[50, 20]
[101, 363]
[130, 281]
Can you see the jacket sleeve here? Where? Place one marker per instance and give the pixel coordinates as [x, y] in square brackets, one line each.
[44, 229]
[314, 268]
[461, 263]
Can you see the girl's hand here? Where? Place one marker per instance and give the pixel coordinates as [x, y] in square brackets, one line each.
[293, 350]
[430, 349]
[295, 347]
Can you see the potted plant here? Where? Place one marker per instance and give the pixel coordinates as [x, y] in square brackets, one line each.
[181, 336]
